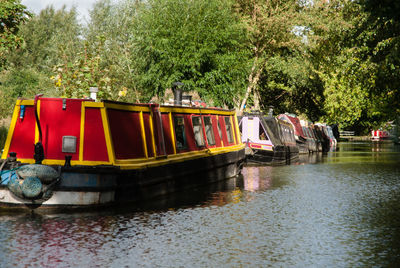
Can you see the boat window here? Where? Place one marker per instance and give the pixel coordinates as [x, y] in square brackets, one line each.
[180, 133]
[228, 128]
[209, 130]
[262, 135]
[219, 130]
[305, 131]
[198, 131]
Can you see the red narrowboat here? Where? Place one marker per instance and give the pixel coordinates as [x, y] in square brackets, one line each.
[78, 153]
[301, 139]
[378, 135]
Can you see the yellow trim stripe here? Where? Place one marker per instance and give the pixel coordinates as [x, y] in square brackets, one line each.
[237, 130]
[91, 104]
[152, 162]
[187, 110]
[11, 130]
[152, 134]
[143, 134]
[36, 125]
[107, 135]
[132, 108]
[82, 131]
[233, 129]
[172, 131]
[26, 102]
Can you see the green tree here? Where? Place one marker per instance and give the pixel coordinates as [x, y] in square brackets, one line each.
[12, 15]
[24, 82]
[200, 43]
[74, 78]
[339, 77]
[48, 38]
[358, 62]
[270, 25]
[114, 22]
[379, 35]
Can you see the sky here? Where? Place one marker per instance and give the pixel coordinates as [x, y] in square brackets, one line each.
[82, 6]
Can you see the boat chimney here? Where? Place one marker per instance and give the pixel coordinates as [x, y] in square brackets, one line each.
[177, 89]
[93, 92]
[270, 110]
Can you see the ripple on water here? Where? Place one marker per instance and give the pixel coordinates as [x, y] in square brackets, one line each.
[341, 211]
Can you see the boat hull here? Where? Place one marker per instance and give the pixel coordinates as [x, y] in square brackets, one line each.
[91, 188]
[280, 155]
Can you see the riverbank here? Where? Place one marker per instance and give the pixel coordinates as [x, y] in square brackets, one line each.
[355, 138]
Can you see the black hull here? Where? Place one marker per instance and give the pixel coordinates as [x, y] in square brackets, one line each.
[158, 181]
[281, 155]
[133, 186]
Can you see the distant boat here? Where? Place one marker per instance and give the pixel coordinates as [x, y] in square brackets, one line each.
[268, 140]
[77, 153]
[329, 140]
[379, 135]
[301, 139]
[312, 142]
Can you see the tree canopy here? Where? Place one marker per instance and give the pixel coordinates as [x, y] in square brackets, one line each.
[12, 15]
[336, 61]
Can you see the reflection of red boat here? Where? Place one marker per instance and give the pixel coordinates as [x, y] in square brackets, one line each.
[377, 135]
[88, 153]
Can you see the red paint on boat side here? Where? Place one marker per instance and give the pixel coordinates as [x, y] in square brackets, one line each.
[295, 122]
[52, 121]
[157, 129]
[126, 134]
[252, 145]
[191, 143]
[23, 138]
[149, 143]
[94, 141]
[167, 133]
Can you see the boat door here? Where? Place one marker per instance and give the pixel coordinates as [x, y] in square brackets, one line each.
[253, 131]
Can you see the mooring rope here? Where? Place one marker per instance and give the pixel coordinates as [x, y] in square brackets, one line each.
[2, 172]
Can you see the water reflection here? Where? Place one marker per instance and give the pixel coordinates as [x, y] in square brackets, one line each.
[341, 209]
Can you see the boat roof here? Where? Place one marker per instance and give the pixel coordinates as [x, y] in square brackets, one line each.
[296, 124]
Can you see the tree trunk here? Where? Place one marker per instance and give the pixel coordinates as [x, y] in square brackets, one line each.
[254, 76]
[256, 99]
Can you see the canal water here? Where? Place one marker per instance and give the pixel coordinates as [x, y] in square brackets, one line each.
[341, 209]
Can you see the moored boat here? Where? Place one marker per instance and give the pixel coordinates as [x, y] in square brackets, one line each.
[379, 135]
[301, 139]
[77, 153]
[330, 140]
[312, 142]
[285, 132]
[269, 141]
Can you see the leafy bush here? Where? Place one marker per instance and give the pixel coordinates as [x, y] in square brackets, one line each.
[22, 83]
[3, 136]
